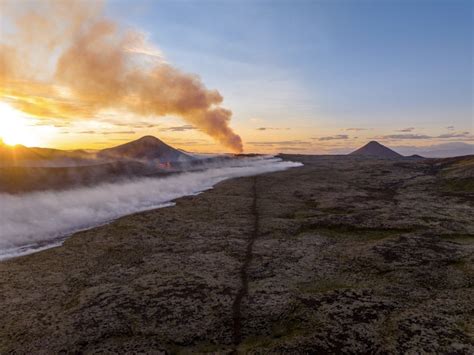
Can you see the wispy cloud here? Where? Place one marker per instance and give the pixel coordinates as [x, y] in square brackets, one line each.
[333, 138]
[280, 143]
[283, 148]
[357, 129]
[51, 122]
[186, 127]
[272, 129]
[406, 136]
[423, 136]
[455, 135]
[131, 122]
[119, 132]
[438, 150]
[105, 133]
[135, 125]
[408, 129]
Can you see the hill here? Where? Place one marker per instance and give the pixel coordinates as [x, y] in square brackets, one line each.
[145, 148]
[375, 149]
[20, 155]
[24, 169]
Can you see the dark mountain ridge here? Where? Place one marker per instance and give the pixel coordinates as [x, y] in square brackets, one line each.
[22, 155]
[145, 148]
[375, 149]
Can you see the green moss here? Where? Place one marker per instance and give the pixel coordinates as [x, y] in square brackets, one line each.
[459, 238]
[458, 185]
[206, 348]
[354, 233]
[388, 330]
[255, 342]
[462, 265]
[334, 210]
[281, 332]
[303, 214]
[286, 329]
[322, 286]
[466, 327]
[311, 204]
[175, 349]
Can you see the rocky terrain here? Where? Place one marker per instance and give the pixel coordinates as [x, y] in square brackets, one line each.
[346, 254]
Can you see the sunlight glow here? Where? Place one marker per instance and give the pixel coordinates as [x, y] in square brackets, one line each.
[16, 128]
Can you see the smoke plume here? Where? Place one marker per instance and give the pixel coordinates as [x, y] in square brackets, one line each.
[35, 220]
[65, 59]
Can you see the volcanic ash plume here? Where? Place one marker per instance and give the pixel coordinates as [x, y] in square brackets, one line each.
[64, 59]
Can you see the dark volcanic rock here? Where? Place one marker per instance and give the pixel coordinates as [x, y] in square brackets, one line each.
[343, 255]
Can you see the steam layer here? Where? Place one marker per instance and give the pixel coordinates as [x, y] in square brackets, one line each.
[40, 217]
[64, 59]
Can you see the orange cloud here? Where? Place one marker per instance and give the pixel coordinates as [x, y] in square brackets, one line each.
[65, 60]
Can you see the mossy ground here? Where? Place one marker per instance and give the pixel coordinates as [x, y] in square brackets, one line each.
[350, 255]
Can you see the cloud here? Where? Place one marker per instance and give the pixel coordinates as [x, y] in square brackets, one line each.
[283, 148]
[105, 133]
[279, 143]
[131, 124]
[450, 128]
[97, 66]
[51, 122]
[406, 136]
[409, 129]
[357, 129]
[466, 135]
[179, 128]
[455, 135]
[438, 150]
[140, 45]
[332, 138]
[119, 132]
[272, 129]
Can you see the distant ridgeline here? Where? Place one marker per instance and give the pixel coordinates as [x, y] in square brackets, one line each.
[27, 169]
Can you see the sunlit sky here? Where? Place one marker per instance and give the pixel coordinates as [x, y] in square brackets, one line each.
[299, 76]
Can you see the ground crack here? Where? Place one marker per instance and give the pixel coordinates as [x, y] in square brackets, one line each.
[243, 291]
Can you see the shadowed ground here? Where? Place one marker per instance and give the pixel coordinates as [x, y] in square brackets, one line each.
[344, 254]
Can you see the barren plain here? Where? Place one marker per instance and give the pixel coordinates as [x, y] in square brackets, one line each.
[345, 254]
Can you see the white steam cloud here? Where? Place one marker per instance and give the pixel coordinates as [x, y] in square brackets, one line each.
[34, 221]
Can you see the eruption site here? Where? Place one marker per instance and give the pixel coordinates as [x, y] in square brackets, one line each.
[65, 59]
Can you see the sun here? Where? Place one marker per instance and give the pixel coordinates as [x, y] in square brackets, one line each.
[16, 128]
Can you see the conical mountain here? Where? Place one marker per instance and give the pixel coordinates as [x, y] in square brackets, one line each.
[145, 148]
[375, 149]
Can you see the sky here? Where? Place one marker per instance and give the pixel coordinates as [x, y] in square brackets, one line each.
[299, 76]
